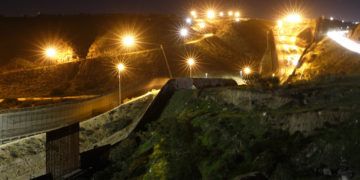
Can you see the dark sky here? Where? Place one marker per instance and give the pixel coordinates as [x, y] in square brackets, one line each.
[345, 9]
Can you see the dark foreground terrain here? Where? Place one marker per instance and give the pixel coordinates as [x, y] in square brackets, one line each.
[303, 131]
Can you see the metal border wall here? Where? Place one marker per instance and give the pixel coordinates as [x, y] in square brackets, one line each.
[28, 121]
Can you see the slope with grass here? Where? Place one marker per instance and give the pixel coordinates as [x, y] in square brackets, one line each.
[304, 131]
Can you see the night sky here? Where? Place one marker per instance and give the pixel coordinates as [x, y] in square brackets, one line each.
[344, 9]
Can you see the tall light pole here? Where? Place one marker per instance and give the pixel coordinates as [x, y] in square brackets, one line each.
[166, 61]
[191, 63]
[120, 68]
[129, 41]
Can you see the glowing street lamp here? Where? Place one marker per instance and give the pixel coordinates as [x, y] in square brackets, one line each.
[50, 52]
[120, 67]
[247, 70]
[210, 14]
[188, 20]
[184, 32]
[293, 18]
[193, 13]
[237, 14]
[190, 62]
[230, 13]
[221, 14]
[128, 41]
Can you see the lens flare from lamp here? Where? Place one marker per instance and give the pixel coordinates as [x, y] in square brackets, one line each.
[247, 70]
[210, 14]
[184, 32]
[50, 52]
[193, 13]
[293, 18]
[120, 67]
[190, 61]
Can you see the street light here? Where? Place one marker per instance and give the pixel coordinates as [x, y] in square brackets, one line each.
[120, 67]
[293, 18]
[184, 32]
[211, 14]
[50, 52]
[128, 41]
[188, 20]
[193, 13]
[247, 70]
[191, 63]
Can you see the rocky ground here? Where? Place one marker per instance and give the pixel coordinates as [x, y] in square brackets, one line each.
[301, 131]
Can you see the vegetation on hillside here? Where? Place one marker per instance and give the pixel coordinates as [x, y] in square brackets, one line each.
[305, 131]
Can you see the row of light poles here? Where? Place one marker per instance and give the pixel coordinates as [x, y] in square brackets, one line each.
[129, 41]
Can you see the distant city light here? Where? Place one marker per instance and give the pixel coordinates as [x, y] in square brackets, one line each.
[237, 14]
[280, 23]
[184, 32]
[230, 13]
[237, 19]
[331, 18]
[128, 41]
[210, 14]
[221, 14]
[193, 13]
[342, 21]
[50, 52]
[202, 25]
